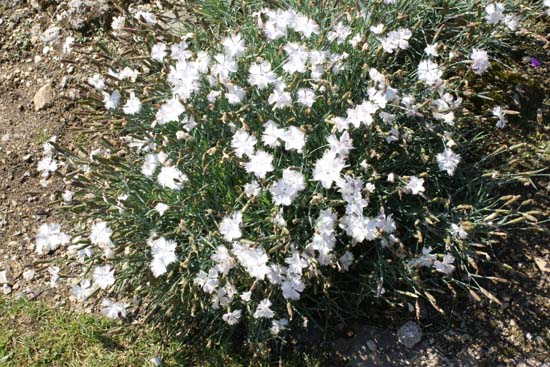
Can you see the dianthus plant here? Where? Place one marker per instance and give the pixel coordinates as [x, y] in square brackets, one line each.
[280, 165]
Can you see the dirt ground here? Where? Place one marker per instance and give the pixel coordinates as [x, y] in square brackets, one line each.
[516, 333]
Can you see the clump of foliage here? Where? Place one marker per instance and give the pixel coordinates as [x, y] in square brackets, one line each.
[288, 165]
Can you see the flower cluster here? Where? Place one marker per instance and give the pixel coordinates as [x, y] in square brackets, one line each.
[290, 157]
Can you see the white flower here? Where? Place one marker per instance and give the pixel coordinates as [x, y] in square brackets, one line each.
[431, 50]
[306, 97]
[245, 296]
[360, 228]
[458, 231]
[208, 282]
[297, 58]
[230, 227]
[188, 123]
[234, 94]
[396, 40]
[263, 310]
[172, 178]
[500, 114]
[83, 290]
[164, 254]
[202, 61]
[294, 139]
[180, 51]
[415, 185]
[113, 310]
[252, 189]
[480, 61]
[243, 143]
[213, 96]
[275, 273]
[445, 266]
[169, 111]
[82, 254]
[224, 261]
[149, 17]
[260, 75]
[234, 45]
[104, 276]
[286, 189]
[278, 325]
[49, 238]
[327, 169]
[150, 164]
[429, 72]
[292, 288]
[401, 37]
[377, 29]
[448, 161]
[68, 44]
[161, 208]
[133, 105]
[112, 100]
[494, 12]
[118, 23]
[512, 22]
[340, 146]
[426, 259]
[254, 260]
[260, 164]
[305, 25]
[272, 134]
[279, 98]
[279, 220]
[47, 165]
[158, 52]
[232, 317]
[346, 260]
[97, 81]
[223, 67]
[355, 40]
[125, 73]
[340, 33]
[101, 235]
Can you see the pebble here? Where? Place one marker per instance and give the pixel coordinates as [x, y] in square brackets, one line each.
[409, 334]
[6, 289]
[44, 97]
[372, 345]
[5, 277]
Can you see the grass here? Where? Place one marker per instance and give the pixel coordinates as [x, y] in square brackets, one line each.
[34, 334]
[37, 334]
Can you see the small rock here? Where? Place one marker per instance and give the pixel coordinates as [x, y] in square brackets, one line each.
[5, 277]
[409, 334]
[155, 361]
[37, 4]
[43, 98]
[29, 274]
[543, 265]
[6, 289]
